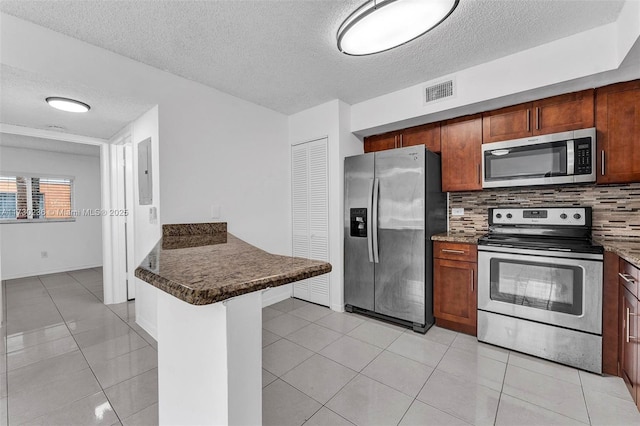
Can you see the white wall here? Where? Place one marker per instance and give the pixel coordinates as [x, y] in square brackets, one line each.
[573, 63]
[147, 231]
[330, 120]
[220, 152]
[213, 149]
[70, 245]
[234, 152]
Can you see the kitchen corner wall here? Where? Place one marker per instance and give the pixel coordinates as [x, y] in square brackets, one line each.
[616, 208]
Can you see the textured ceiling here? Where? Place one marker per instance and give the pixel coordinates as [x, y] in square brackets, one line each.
[28, 142]
[23, 103]
[283, 55]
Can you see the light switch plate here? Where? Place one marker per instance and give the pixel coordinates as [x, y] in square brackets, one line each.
[459, 211]
[153, 215]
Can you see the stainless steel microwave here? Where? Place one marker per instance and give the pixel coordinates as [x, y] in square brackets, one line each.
[558, 158]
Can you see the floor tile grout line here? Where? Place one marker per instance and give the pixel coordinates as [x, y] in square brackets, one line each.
[81, 351]
[75, 341]
[427, 381]
[584, 397]
[83, 355]
[548, 375]
[504, 378]
[547, 409]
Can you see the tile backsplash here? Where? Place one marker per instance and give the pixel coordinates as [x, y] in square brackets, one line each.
[616, 208]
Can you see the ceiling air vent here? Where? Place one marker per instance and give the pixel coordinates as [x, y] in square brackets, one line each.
[442, 90]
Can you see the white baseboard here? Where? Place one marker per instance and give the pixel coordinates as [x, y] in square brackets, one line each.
[276, 294]
[148, 327]
[337, 308]
[50, 271]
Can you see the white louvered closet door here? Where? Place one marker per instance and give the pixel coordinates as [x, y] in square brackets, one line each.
[310, 200]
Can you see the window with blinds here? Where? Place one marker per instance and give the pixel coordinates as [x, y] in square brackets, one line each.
[33, 198]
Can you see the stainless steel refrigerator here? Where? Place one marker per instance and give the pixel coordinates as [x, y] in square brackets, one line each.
[393, 205]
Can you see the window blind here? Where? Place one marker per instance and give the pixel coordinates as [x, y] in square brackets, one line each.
[35, 198]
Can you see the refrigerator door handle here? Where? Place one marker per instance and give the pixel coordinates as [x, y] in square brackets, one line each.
[376, 190]
[370, 223]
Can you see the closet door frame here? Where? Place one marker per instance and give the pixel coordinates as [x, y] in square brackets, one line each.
[316, 289]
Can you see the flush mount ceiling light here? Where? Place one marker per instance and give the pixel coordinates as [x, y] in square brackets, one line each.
[384, 24]
[65, 104]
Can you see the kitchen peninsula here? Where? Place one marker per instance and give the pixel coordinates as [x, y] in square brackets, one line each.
[210, 321]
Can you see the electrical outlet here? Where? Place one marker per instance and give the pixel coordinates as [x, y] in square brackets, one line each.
[44, 254]
[459, 211]
[215, 211]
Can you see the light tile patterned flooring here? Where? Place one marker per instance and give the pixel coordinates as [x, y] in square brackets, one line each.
[70, 360]
[328, 368]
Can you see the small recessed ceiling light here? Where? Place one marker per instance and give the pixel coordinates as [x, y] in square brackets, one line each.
[380, 25]
[70, 105]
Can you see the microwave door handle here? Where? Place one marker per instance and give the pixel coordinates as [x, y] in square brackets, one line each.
[571, 157]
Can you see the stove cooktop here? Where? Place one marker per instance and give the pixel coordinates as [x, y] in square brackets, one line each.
[575, 245]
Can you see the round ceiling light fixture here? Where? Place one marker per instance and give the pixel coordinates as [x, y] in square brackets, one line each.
[384, 24]
[66, 104]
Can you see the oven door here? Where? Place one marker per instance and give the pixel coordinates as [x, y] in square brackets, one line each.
[541, 286]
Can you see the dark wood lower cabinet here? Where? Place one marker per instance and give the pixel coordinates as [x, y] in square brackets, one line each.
[629, 342]
[610, 323]
[627, 315]
[455, 295]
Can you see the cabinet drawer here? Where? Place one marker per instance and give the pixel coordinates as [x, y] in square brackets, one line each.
[455, 251]
[629, 277]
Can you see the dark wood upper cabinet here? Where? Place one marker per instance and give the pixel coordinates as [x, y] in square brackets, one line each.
[381, 142]
[507, 123]
[427, 135]
[618, 137]
[561, 113]
[461, 154]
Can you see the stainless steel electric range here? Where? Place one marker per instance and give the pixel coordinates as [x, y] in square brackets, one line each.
[540, 285]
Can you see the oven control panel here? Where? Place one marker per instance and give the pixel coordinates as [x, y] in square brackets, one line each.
[570, 216]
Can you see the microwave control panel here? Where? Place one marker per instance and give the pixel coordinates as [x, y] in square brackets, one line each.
[583, 154]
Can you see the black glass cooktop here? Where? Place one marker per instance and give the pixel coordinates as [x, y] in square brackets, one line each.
[576, 245]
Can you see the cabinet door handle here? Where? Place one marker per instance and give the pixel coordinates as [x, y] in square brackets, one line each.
[395, 141]
[602, 162]
[627, 326]
[627, 278]
[528, 120]
[452, 251]
[537, 118]
[479, 174]
[401, 144]
[473, 278]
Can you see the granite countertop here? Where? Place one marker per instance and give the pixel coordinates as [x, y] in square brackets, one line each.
[468, 238]
[203, 264]
[629, 250]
